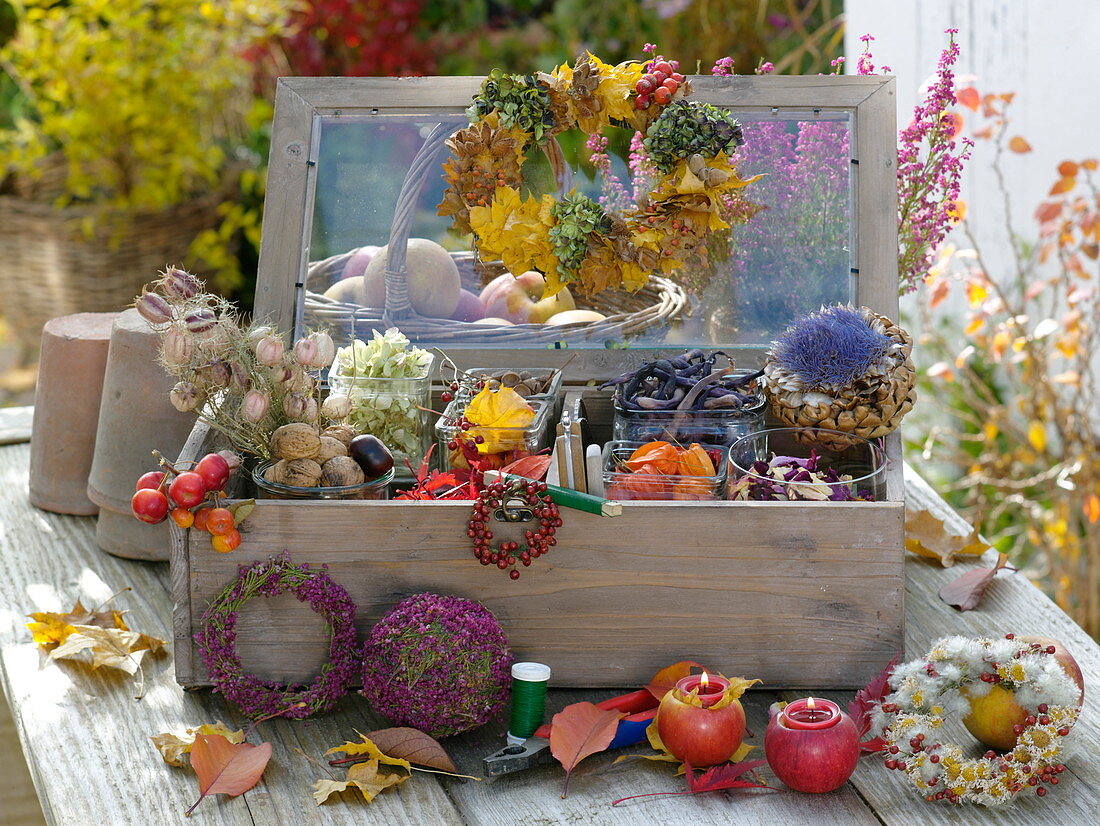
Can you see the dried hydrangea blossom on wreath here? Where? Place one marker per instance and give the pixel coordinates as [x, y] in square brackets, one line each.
[577, 241]
[954, 671]
[265, 698]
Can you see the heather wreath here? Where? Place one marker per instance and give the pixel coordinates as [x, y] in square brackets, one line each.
[437, 663]
[265, 698]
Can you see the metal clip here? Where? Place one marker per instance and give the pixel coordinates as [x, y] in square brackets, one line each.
[535, 751]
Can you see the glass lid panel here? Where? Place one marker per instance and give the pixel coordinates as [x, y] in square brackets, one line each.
[787, 250]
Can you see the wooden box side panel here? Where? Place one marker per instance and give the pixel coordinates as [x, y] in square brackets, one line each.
[799, 595]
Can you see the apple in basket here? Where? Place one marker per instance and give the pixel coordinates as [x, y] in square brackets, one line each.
[433, 281]
[519, 299]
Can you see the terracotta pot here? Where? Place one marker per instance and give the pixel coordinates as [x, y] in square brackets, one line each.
[135, 418]
[66, 412]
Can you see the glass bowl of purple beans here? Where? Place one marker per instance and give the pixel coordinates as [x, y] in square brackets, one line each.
[693, 397]
[806, 464]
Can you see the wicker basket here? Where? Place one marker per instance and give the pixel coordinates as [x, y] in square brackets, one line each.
[628, 314]
[50, 266]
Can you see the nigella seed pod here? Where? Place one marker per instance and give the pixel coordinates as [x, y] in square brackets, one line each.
[201, 320]
[305, 351]
[336, 406]
[154, 308]
[238, 376]
[220, 374]
[179, 284]
[177, 347]
[280, 373]
[254, 406]
[269, 350]
[310, 413]
[185, 396]
[256, 334]
[326, 350]
[294, 405]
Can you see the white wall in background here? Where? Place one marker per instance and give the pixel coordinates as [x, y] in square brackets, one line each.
[1047, 51]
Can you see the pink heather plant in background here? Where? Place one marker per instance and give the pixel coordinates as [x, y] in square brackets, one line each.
[931, 157]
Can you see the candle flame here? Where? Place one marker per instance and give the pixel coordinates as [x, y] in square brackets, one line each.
[705, 681]
[810, 703]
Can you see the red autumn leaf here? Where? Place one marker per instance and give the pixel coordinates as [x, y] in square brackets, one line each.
[665, 680]
[413, 745]
[969, 98]
[580, 730]
[1063, 184]
[714, 779]
[866, 699]
[967, 591]
[724, 776]
[226, 768]
[1019, 145]
[1048, 211]
[529, 467]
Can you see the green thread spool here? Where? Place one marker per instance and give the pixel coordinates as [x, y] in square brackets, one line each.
[529, 682]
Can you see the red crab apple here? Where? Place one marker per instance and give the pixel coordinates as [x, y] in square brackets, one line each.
[993, 715]
[815, 760]
[519, 299]
[701, 736]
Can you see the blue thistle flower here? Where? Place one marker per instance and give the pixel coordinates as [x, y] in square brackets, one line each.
[830, 348]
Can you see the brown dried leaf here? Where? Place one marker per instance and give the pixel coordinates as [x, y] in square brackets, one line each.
[927, 536]
[413, 745]
[967, 591]
[173, 747]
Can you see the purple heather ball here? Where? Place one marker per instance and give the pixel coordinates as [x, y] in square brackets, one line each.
[437, 663]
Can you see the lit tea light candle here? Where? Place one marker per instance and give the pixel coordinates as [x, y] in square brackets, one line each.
[811, 745]
[708, 687]
[698, 723]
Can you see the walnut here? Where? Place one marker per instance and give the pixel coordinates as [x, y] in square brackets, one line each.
[340, 471]
[342, 433]
[330, 447]
[295, 441]
[275, 472]
[302, 473]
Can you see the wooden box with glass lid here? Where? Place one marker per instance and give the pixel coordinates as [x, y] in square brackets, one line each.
[678, 306]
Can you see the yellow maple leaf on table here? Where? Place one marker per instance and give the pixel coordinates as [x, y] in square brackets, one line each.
[364, 776]
[53, 627]
[927, 536]
[500, 418]
[174, 747]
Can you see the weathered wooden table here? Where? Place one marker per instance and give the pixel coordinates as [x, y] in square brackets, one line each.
[87, 740]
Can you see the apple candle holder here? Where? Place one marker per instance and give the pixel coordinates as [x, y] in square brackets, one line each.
[811, 745]
[701, 722]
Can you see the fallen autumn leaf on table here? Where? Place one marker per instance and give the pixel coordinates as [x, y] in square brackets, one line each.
[52, 627]
[725, 776]
[867, 698]
[967, 591]
[927, 536]
[716, 778]
[413, 745]
[363, 776]
[228, 768]
[580, 730]
[173, 747]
